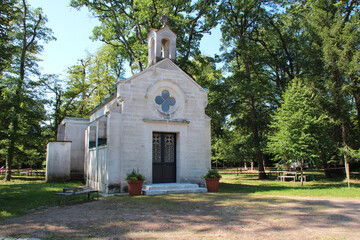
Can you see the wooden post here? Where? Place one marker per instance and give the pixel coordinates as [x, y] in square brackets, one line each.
[347, 170]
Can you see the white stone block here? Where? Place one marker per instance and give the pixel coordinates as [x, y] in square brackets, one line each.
[58, 160]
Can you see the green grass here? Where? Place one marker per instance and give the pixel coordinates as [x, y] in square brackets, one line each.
[249, 184]
[27, 194]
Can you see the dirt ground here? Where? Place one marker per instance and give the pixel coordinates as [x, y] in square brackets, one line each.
[193, 216]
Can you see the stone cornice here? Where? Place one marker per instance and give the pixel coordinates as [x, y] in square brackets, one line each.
[161, 120]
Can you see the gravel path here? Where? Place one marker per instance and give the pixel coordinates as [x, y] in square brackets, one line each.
[193, 216]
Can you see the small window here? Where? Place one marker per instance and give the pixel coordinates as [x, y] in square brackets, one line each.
[92, 137]
[102, 132]
[152, 49]
[165, 45]
[165, 101]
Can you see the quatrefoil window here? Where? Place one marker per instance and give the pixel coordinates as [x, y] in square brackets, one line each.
[165, 101]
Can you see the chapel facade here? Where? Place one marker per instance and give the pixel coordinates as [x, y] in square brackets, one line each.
[155, 123]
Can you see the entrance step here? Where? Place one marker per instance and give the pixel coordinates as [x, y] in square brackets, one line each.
[168, 188]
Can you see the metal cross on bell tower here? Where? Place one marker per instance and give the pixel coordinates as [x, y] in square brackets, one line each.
[165, 19]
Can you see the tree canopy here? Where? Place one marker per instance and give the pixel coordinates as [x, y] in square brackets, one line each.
[22, 109]
[125, 24]
[300, 127]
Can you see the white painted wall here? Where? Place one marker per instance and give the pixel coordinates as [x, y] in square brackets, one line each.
[73, 129]
[58, 161]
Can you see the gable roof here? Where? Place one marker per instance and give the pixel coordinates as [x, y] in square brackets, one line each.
[102, 103]
[158, 31]
[163, 62]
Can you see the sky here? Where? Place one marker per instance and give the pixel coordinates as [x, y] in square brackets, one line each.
[73, 28]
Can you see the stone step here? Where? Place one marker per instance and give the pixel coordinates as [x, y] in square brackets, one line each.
[169, 188]
[163, 186]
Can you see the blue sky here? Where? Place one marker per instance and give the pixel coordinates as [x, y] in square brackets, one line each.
[73, 29]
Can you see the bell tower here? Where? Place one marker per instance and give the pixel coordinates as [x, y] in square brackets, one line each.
[161, 43]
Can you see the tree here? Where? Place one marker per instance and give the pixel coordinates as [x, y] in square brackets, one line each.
[78, 90]
[90, 82]
[266, 44]
[23, 110]
[8, 13]
[204, 71]
[333, 26]
[125, 24]
[299, 127]
[105, 69]
[250, 90]
[55, 99]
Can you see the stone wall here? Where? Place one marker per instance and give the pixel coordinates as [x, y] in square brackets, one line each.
[73, 129]
[58, 161]
[96, 169]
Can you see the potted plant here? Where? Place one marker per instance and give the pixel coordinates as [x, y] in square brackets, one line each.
[212, 180]
[135, 181]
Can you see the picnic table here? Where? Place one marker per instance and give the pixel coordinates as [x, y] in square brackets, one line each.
[283, 175]
[294, 176]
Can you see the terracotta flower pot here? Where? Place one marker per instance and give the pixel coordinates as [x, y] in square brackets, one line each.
[135, 187]
[212, 184]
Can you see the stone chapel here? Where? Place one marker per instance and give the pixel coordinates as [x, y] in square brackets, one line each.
[154, 123]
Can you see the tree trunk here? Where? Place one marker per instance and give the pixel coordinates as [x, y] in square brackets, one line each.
[9, 161]
[254, 127]
[57, 118]
[347, 170]
[346, 160]
[259, 158]
[259, 154]
[356, 93]
[302, 172]
[13, 127]
[327, 173]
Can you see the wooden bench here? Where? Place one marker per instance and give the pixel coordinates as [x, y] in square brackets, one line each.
[284, 177]
[73, 192]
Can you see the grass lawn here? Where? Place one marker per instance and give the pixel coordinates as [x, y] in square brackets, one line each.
[27, 194]
[248, 183]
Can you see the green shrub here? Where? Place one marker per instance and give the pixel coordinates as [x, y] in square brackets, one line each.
[134, 176]
[212, 173]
